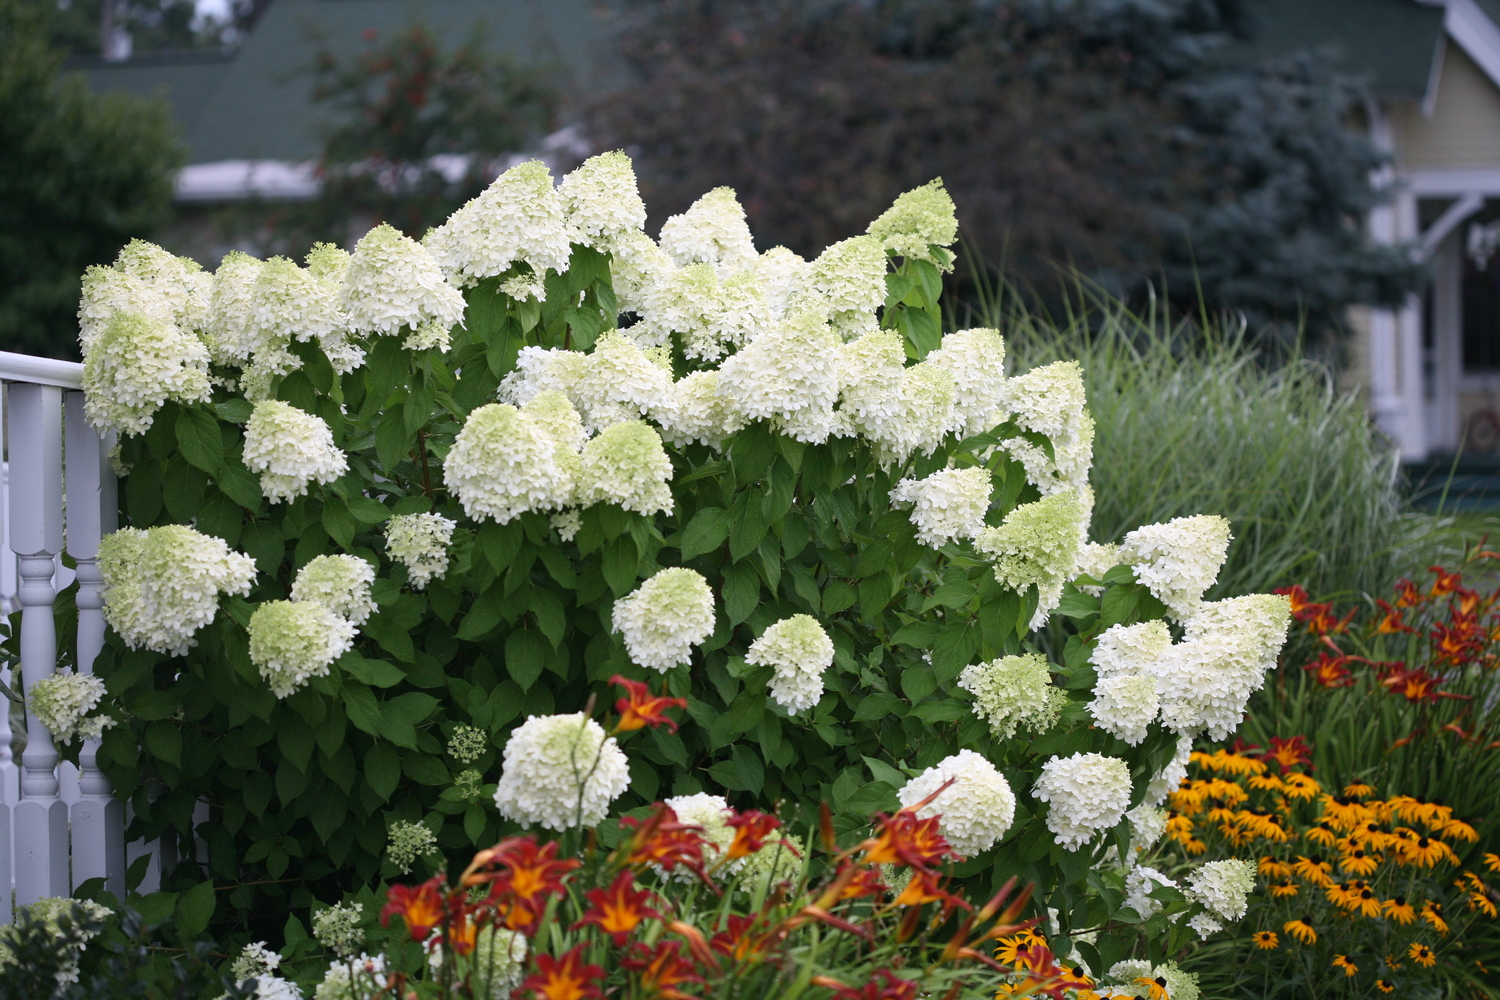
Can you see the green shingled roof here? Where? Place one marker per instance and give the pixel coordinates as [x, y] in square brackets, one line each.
[254, 105]
[1391, 43]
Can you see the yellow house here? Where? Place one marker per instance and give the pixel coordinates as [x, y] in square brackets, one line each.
[1432, 368]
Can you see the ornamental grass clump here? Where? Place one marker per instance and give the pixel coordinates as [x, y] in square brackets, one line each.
[438, 494]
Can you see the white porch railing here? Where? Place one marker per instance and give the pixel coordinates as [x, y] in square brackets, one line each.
[59, 826]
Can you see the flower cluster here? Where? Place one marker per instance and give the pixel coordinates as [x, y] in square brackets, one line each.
[340, 583]
[1086, 793]
[70, 924]
[1178, 560]
[798, 651]
[948, 505]
[665, 617]
[1036, 546]
[974, 811]
[62, 702]
[1050, 401]
[519, 218]
[162, 584]
[407, 843]
[1206, 680]
[291, 449]
[560, 772]
[1014, 691]
[291, 642]
[337, 928]
[420, 543]
[394, 283]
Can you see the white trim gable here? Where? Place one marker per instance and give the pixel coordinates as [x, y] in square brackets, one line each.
[1468, 25]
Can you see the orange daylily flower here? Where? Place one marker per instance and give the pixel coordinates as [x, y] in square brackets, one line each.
[566, 978]
[663, 841]
[419, 906]
[662, 969]
[640, 708]
[618, 909]
[903, 839]
[751, 828]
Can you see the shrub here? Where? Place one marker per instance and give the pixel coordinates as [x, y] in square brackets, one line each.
[703, 495]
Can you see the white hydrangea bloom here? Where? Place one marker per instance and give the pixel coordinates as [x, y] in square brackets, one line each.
[798, 651]
[712, 813]
[917, 221]
[1051, 401]
[602, 201]
[502, 465]
[519, 217]
[567, 523]
[1012, 691]
[870, 369]
[1165, 783]
[627, 465]
[356, 978]
[255, 959]
[291, 449]
[638, 268]
[1131, 649]
[710, 313]
[776, 861]
[407, 843]
[1207, 679]
[229, 312]
[341, 583]
[1205, 925]
[162, 585]
[1036, 544]
[105, 291]
[560, 772]
[145, 280]
[291, 642]
[922, 414]
[61, 702]
[1094, 560]
[699, 412]
[1085, 793]
[1125, 705]
[713, 231]
[789, 374]
[539, 370]
[976, 360]
[1223, 886]
[430, 336]
[1147, 825]
[393, 282]
[975, 811]
[420, 543]
[781, 271]
[1128, 971]
[337, 928]
[617, 382]
[846, 284]
[948, 505]
[289, 303]
[665, 617]
[1139, 881]
[135, 365]
[554, 415]
[1178, 560]
[498, 959]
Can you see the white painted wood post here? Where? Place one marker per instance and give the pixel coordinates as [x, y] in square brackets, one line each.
[40, 827]
[98, 818]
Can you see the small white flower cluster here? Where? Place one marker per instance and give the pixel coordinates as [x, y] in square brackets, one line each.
[260, 963]
[1085, 793]
[467, 744]
[1206, 680]
[340, 583]
[407, 843]
[712, 231]
[560, 772]
[665, 617]
[57, 916]
[62, 702]
[337, 928]
[948, 505]
[1223, 887]
[1178, 560]
[1147, 826]
[1121, 980]
[1037, 545]
[148, 281]
[1125, 704]
[291, 642]
[711, 813]
[1095, 559]
[290, 449]
[1139, 881]
[394, 283]
[1050, 401]
[498, 959]
[354, 978]
[975, 811]
[1167, 782]
[420, 543]
[845, 285]
[776, 861]
[602, 201]
[798, 651]
[1013, 691]
[161, 585]
[787, 375]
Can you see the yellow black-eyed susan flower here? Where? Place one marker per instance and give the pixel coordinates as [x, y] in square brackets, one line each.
[1460, 830]
[1385, 986]
[1360, 862]
[1422, 955]
[1313, 869]
[1358, 790]
[1300, 786]
[1425, 851]
[1492, 861]
[1156, 989]
[1272, 868]
[1399, 910]
[1481, 901]
[1432, 914]
[1342, 962]
[1367, 903]
[1301, 928]
[1323, 834]
[1265, 940]
[1283, 889]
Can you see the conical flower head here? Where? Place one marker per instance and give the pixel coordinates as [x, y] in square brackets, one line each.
[602, 201]
[519, 217]
[663, 618]
[919, 225]
[393, 282]
[713, 231]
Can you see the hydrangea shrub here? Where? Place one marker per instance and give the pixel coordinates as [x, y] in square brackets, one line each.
[384, 509]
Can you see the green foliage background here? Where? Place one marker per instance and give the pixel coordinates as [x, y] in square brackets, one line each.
[301, 791]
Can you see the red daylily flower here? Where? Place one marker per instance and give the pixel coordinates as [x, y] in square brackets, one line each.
[1330, 672]
[619, 909]
[566, 978]
[751, 828]
[882, 986]
[1290, 753]
[640, 708]
[419, 906]
[662, 969]
[663, 841]
[905, 839]
[1391, 622]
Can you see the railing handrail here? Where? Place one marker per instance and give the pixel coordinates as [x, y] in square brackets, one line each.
[41, 371]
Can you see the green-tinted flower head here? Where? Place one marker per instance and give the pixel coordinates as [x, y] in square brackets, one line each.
[917, 222]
